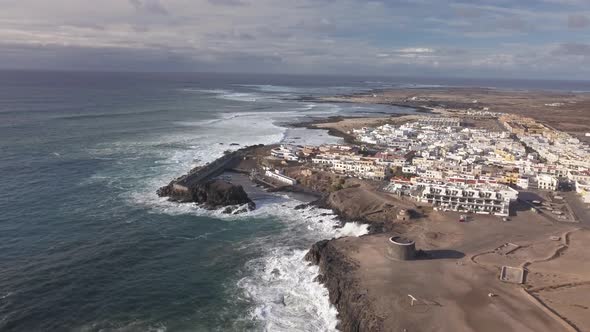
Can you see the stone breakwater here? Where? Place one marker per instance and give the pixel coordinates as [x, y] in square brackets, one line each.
[198, 185]
[211, 194]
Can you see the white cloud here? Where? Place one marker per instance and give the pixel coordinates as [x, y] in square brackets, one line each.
[300, 36]
[416, 50]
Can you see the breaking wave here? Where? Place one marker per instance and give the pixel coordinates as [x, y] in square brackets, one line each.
[235, 95]
[281, 284]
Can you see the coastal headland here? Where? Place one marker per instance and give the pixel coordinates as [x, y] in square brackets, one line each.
[489, 250]
[565, 111]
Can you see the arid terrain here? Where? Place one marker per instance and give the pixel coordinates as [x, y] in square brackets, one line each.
[456, 286]
[569, 112]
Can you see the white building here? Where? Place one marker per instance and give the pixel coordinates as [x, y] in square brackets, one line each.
[579, 176]
[547, 182]
[353, 165]
[409, 169]
[285, 152]
[486, 199]
[523, 183]
[583, 188]
[276, 175]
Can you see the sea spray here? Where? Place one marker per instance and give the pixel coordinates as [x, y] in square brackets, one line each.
[279, 284]
[282, 286]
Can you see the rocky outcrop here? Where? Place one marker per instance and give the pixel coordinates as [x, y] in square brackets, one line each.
[211, 194]
[337, 275]
[349, 209]
[197, 186]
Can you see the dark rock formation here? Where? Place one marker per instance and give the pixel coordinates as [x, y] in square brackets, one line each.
[301, 207]
[211, 194]
[345, 215]
[355, 312]
[197, 186]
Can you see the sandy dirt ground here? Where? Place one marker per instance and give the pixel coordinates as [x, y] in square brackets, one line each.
[557, 274]
[453, 284]
[562, 280]
[345, 125]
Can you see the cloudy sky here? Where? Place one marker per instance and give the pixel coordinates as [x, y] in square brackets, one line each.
[516, 38]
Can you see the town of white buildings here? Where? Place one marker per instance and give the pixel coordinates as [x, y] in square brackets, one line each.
[438, 161]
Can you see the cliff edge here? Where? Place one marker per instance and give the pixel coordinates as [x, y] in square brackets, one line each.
[337, 275]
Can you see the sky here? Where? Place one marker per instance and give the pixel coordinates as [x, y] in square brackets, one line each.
[477, 38]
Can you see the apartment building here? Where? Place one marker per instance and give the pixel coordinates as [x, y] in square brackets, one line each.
[484, 199]
[547, 182]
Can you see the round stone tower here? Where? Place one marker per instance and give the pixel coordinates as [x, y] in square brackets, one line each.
[401, 248]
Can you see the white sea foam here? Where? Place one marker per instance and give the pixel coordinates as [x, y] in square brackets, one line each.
[235, 95]
[287, 298]
[281, 284]
[352, 229]
[274, 88]
[298, 90]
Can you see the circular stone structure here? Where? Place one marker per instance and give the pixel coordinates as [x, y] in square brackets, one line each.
[401, 248]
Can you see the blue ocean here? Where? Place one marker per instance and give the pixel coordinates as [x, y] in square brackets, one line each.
[86, 244]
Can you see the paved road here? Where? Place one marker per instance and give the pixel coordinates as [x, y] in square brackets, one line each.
[578, 207]
[572, 200]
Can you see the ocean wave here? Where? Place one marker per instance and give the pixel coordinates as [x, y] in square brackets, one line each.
[134, 326]
[106, 115]
[286, 297]
[274, 88]
[235, 95]
[281, 284]
[291, 91]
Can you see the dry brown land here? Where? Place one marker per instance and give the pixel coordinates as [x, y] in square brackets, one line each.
[572, 115]
[345, 125]
[453, 285]
[562, 282]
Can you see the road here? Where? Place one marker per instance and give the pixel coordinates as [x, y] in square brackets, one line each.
[581, 211]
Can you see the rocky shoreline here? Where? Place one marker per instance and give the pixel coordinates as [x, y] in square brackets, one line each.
[212, 194]
[355, 311]
[349, 99]
[332, 132]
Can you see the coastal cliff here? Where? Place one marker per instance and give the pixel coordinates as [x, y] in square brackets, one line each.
[357, 204]
[337, 275]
